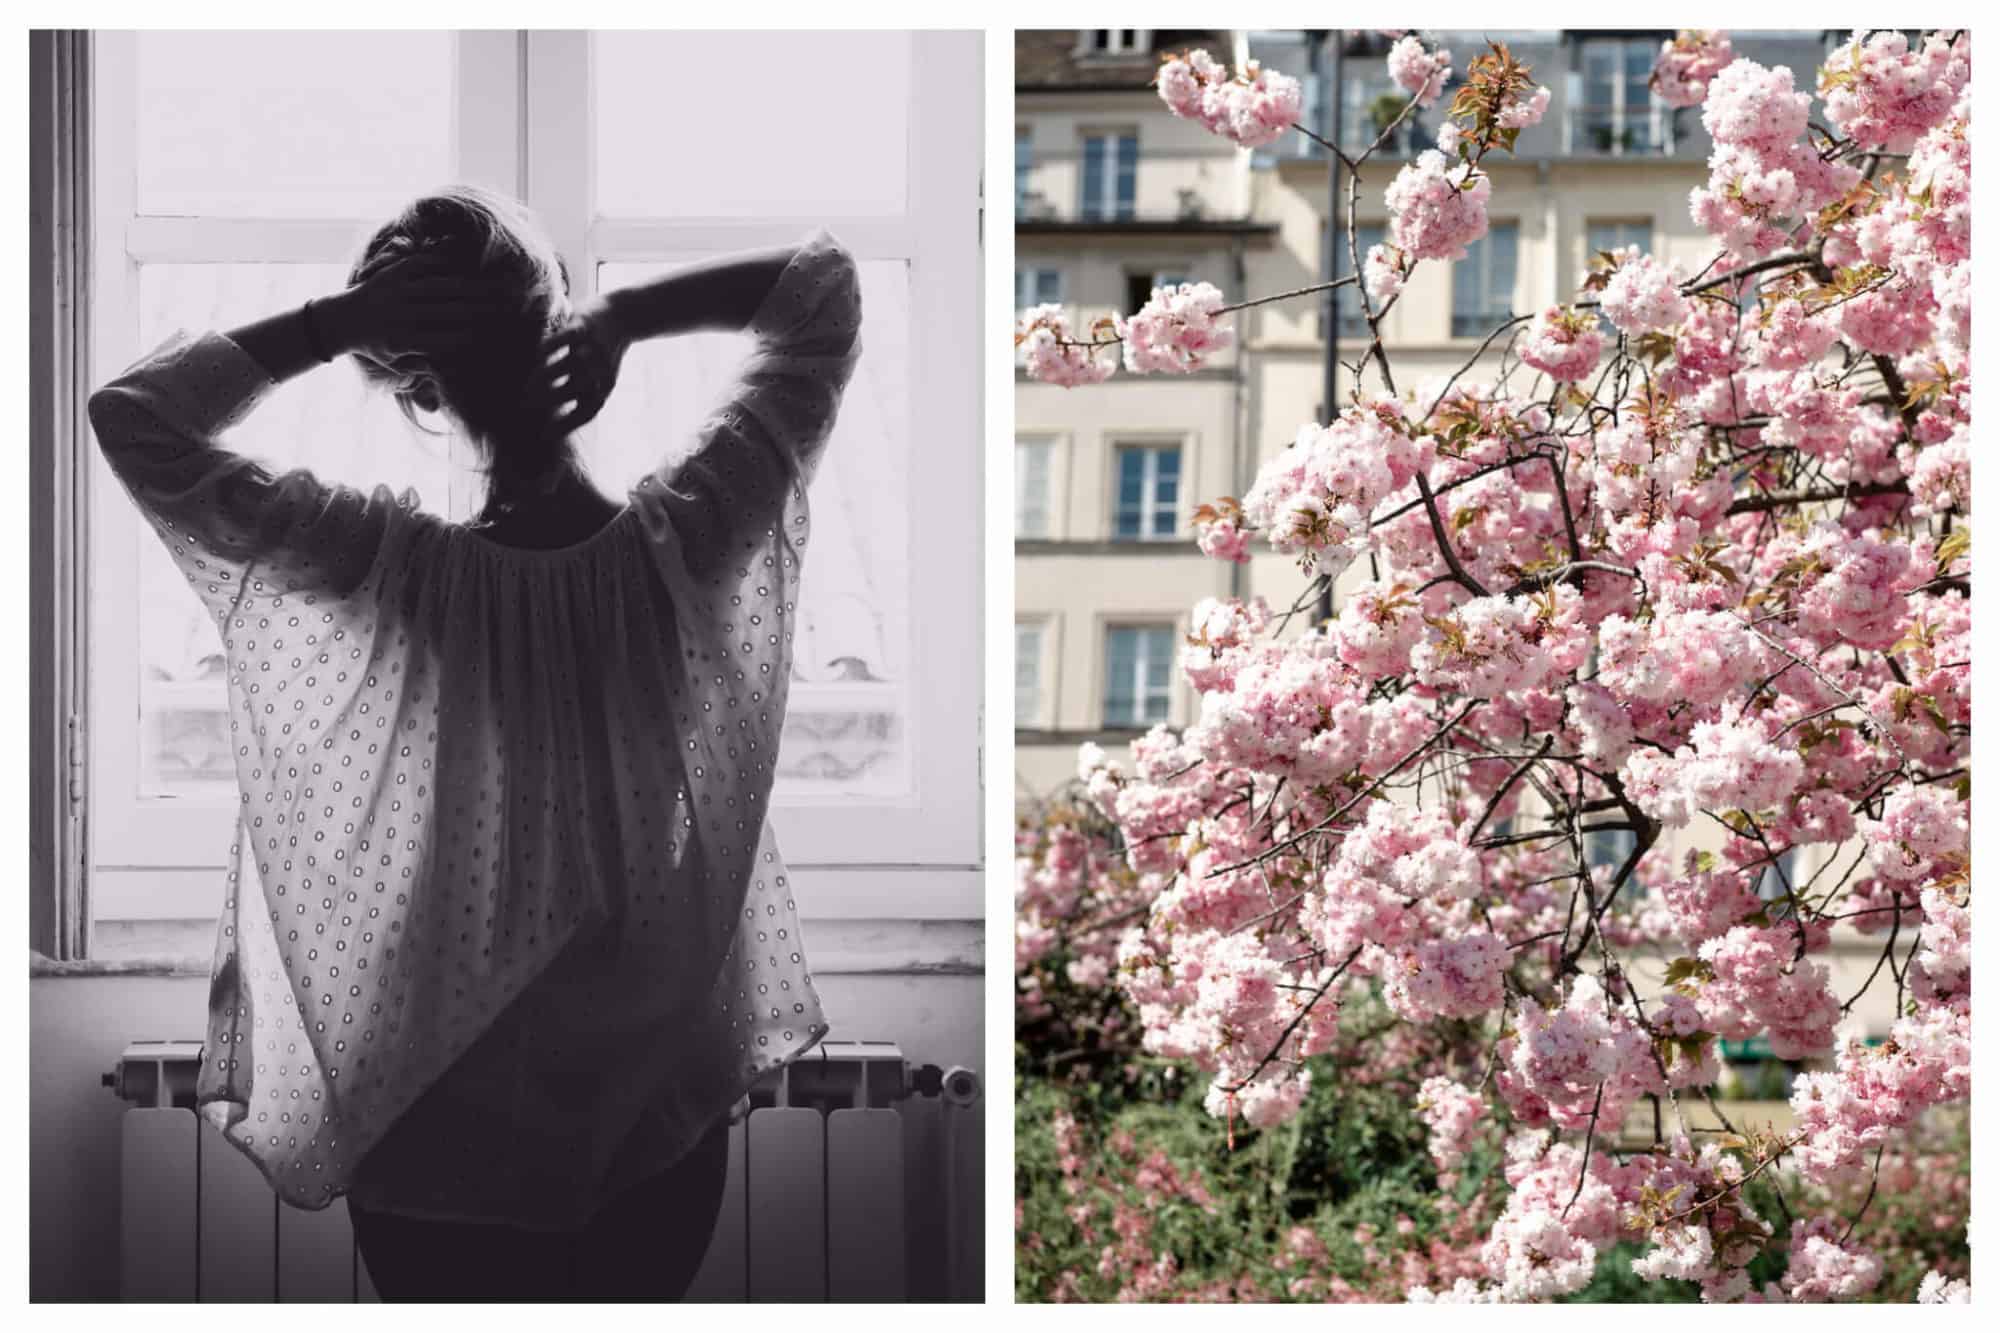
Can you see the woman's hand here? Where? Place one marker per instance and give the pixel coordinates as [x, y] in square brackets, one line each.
[580, 367]
[412, 311]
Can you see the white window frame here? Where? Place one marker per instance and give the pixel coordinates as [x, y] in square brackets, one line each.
[1038, 630]
[1479, 256]
[1116, 41]
[1658, 119]
[158, 859]
[1150, 504]
[1141, 691]
[1028, 282]
[1024, 444]
[1113, 162]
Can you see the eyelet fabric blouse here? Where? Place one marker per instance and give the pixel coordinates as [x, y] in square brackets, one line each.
[505, 928]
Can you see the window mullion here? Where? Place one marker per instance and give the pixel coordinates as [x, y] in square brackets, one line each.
[560, 151]
[488, 128]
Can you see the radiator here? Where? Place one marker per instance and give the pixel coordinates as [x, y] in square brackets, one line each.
[855, 1177]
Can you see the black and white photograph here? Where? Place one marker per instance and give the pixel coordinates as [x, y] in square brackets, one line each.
[507, 654]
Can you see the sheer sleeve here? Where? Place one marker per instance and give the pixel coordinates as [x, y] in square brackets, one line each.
[759, 450]
[226, 520]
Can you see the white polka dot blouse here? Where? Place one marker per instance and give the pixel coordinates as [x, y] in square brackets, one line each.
[505, 915]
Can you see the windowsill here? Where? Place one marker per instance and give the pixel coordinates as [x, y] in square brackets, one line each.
[1179, 546]
[40, 965]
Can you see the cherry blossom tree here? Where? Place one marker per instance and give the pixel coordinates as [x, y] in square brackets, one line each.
[1691, 553]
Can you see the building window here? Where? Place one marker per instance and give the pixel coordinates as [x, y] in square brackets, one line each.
[1037, 286]
[199, 222]
[1024, 165]
[1139, 286]
[1116, 41]
[1031, 487]
[1110, 176]
[1347, 301]
[1613, 110]
[1606, 852]
[1482, 283]
[1600, 236]
[1028, 636]
[1370, 101]
[1149, 492]
[1138, 674]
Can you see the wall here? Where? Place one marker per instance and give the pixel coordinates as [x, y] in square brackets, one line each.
[905, 981]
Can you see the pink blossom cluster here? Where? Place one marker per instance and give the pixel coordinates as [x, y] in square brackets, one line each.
[1882, 94]
[1687, 62]
[1756, 984]
[1925, 831]
[1823, 1269]
[1054, 354]
[1175, 331]
[1582, 1061]
[1643, 295]
[1937, 1289]
[1418, 72]
[1730, 763]
[1436, 207]
[1251, 109]
[1495, 646]
[1764, 178]
[1564, 344]
[1846, 1113]
[1316, 498]
[1455, 1115]
[1383, 271]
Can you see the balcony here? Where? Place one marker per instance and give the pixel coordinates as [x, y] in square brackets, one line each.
[1621, 131]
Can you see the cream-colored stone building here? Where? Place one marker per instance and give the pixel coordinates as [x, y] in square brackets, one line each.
[1113, 194]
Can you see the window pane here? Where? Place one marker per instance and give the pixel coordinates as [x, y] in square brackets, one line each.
[1482, 284]
[1121, 650]
[1138, 674]
[847, 731]
[1031, 488]
[329, 421]
[1027, 674]
[781, 152]
[1093, 175]
[291, 124]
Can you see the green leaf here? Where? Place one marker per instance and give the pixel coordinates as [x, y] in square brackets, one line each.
[1685, 969]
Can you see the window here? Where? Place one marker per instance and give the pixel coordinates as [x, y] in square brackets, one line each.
[1028, 639]
[1138, 674]
[1139, 286]
[1116, 41]
[209, 211]
[1617, 235]
[1347, 301]
[1482, 283]
[1149, 492]
[1037, 286]
[1110, 176]
[1607, 851]
[1024, 165]
[1370, 101]
[1612, 110]
[1031, 487]
[1599, 236]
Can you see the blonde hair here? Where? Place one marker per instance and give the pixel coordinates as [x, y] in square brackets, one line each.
[490, 237]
